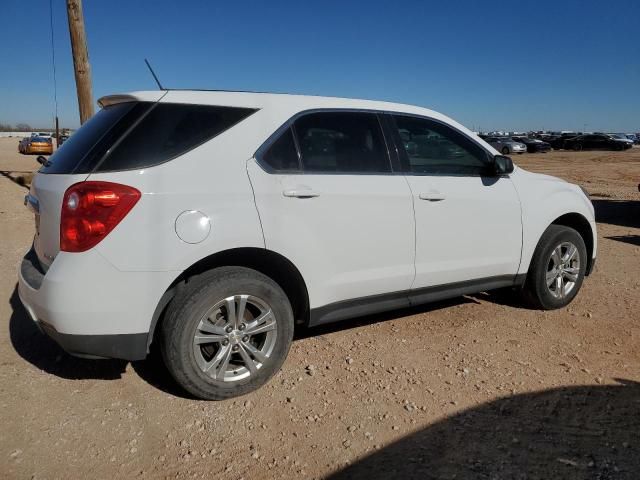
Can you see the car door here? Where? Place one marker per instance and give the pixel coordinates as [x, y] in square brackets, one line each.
[468, 220]
[329, 201]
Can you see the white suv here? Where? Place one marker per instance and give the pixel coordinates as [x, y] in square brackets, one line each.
[212, 222]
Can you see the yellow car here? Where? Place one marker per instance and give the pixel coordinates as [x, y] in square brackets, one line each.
[41, 145]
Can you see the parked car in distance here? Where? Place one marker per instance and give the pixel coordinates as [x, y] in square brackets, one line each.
[559, 142]
[63, 138]
[595, 142]
[633, 137]
[533, 144]
[41, 145]
[251, 213]
[506, 145]
[621, 137]
[41, 134]
[22, 144]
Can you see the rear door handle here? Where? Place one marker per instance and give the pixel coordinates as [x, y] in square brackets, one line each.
[432, 196]
[301, 193]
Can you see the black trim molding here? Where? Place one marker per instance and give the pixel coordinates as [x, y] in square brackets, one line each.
[408, 298]
[130, 346]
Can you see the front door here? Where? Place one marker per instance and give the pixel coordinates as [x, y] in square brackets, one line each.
[468, 223]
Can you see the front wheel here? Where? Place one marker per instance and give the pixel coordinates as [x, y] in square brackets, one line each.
[557, 268]
[505, 150]
[227, 333]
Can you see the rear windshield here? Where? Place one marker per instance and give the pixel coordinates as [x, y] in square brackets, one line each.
[140, 134]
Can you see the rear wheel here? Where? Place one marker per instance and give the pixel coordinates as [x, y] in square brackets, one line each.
[227, 333]
[577, 147]
[557, 268]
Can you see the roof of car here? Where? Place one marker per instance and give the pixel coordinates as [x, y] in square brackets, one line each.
[279, 105]
[264, 100]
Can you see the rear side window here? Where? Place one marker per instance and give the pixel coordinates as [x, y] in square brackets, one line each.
[69, 157]
[342, 142]
[282, 155]
[170, 130]
[139, 135]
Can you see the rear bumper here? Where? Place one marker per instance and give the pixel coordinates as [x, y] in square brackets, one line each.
[127, 346]
[89, 307]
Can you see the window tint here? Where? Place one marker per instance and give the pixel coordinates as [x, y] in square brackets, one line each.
[282, 154]
[73, 152]
[169, 130]
[434, 148]
[342, 142]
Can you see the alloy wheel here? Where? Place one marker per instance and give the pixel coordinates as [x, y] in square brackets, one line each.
[235, 338]
[563, 270]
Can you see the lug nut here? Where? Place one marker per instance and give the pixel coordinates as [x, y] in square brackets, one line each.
[229, 329]
[245, 339]
[235, 348]
[225, 342]
[242, 326]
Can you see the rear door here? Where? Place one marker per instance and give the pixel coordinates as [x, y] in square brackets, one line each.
[468, 223]
[329, 201]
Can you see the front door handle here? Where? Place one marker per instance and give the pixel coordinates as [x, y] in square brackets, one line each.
[432, 196]
[301, 193]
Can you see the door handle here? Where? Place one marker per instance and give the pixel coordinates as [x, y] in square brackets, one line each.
[301, 193]
[432, 196]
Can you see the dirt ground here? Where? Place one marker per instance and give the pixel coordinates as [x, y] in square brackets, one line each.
[476, 387]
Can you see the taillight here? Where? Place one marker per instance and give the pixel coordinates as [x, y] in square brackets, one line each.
[90, 210]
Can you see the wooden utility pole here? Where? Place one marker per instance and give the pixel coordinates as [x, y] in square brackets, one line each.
[80, 59]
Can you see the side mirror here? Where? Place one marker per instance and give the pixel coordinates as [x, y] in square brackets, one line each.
[503, 165]
[41, 160]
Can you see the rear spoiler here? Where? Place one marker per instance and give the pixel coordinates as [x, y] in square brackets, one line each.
[131, 97]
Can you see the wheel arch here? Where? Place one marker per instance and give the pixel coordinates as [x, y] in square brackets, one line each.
[267, 262]
[580, 224]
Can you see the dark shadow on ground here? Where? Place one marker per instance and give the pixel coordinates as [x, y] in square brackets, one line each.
[630, 239]
[42, 352]
[585, 432]
[509, 297]
[625, 213]
[17, 177]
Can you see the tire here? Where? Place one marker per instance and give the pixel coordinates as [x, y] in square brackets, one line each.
[206, 296]
[577, 147]
[537, 292]
[505, 150]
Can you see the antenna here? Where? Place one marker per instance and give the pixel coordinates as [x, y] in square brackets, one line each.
[154, 74]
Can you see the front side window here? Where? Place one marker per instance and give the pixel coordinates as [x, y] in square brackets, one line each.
[430, 147]
[342, 142]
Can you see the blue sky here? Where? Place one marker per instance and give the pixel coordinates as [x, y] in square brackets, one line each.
[490, 65]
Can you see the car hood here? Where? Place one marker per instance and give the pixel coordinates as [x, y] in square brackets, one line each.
[539, 176]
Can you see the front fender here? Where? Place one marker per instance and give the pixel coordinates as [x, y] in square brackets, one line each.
[545, 199]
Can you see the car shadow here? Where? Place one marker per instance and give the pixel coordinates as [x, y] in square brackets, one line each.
[630, 239]
[625, 213]
[42, 352]
[582, 432]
